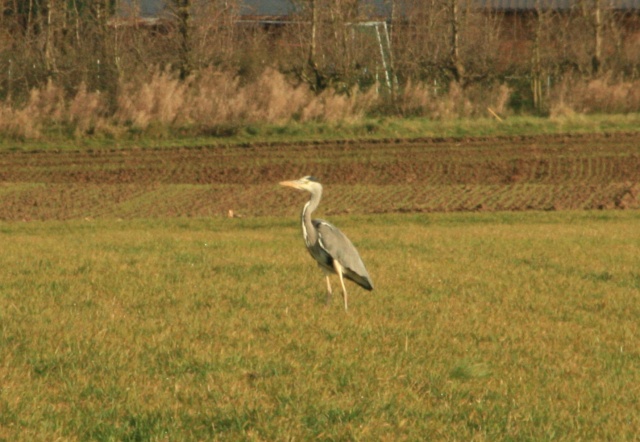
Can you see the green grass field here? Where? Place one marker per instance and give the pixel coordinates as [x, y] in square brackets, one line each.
[482, 326]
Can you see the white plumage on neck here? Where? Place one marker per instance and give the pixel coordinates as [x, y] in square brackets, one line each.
[308, 231]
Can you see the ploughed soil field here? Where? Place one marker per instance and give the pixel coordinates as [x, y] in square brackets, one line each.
[427, 175]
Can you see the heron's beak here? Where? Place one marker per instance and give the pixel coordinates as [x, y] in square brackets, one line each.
[293, 184]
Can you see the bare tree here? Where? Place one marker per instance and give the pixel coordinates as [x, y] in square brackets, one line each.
[216, 36]
[312, 61]
[183, 14]
[542, 17]
[596, 58]
[456, 64]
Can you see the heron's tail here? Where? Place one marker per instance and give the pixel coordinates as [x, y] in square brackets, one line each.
[362, 281]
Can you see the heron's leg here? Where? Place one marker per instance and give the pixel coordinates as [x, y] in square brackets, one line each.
[329, 291]
[338, 267]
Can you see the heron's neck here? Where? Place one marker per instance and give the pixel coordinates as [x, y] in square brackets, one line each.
[308, 231]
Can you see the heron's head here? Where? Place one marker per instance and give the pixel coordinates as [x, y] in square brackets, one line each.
[308, 183]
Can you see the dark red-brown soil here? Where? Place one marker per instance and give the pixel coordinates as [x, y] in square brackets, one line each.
[506, 173]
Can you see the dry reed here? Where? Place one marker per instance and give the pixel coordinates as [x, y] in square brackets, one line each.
[213, 98]
[600, 95]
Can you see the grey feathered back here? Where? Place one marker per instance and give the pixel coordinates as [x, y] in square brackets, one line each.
[342, 249]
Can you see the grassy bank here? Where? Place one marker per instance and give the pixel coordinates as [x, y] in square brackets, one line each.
[482, 327]
[59, 137]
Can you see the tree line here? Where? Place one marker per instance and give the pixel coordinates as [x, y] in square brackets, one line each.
[434, 45]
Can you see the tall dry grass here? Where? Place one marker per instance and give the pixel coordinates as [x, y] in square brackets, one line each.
[600, 95]
[420, 99]
[44, 107]
[216, 98]
[209, 99]
[213, 99]
[49, 107]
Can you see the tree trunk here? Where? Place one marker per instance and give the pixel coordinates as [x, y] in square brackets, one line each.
[457, 68]
[49, 43]
[312, 61]
[596, 60]
[536, 68]
[184, 25]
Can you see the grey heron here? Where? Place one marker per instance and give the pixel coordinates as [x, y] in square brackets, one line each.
[327, 244]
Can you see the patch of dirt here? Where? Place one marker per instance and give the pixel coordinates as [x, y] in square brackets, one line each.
[427, 175]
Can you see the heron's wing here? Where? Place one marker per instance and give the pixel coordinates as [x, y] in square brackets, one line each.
[338, 246]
